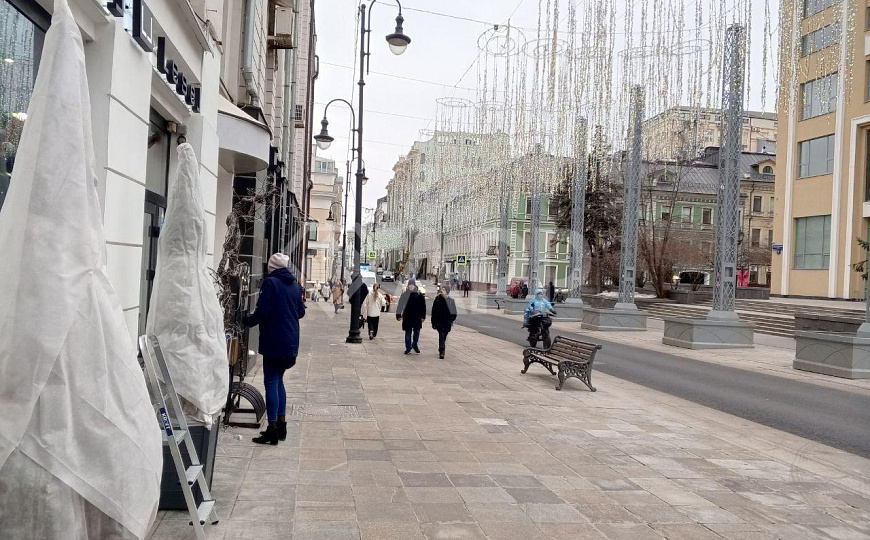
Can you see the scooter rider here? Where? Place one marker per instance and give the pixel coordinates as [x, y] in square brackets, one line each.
[537, 303]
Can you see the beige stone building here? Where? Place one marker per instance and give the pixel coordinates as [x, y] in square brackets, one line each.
[821, 178]
[683, 132]
[323, 257]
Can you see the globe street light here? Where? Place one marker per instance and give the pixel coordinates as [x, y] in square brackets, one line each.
[398, 42]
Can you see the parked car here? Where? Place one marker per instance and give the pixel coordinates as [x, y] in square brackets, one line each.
[388, 276]
[380, 269]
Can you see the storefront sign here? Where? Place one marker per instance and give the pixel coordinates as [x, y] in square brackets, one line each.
[139, 22]
[169, 69]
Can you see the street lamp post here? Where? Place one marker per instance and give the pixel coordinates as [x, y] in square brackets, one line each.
[398, 42]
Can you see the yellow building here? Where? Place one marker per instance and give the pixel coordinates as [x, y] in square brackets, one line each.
[822, 201]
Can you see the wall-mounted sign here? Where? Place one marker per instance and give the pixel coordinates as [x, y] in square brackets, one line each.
[139, 22]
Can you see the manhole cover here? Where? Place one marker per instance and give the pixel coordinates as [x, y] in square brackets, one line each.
[324, 411]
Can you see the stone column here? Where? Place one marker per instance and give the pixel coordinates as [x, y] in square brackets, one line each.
[503, 237]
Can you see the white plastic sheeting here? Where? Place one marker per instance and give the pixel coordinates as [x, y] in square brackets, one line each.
[80, 447]
[185, 313]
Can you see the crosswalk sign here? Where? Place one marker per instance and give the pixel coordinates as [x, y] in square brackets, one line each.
[373, 254]
[462, 259]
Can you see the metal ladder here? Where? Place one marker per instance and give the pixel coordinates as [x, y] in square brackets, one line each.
[161, 388]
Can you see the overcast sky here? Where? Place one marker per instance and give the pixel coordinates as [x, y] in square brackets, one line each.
[400, 91]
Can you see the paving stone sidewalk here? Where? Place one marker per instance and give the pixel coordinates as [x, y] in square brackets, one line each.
[385, 446]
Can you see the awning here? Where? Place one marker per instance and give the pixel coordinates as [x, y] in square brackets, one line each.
[244, 142]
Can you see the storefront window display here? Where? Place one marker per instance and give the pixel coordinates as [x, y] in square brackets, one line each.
[22, 30]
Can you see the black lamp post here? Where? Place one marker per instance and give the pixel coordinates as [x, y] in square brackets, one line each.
[398, 42]
[331, 218]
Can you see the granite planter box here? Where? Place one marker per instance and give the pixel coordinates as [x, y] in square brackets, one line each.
[840, 355]
[812, 322]
[568, 311]
[491, 301]
[685, 296]
[708, 333]
[614, 319]
[515, 306]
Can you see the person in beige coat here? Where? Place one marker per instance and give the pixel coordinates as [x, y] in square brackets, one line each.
[337, 295]
[371, 309]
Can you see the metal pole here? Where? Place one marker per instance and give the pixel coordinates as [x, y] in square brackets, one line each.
[578, 206]
[728, 227]
[535, 232]
[353, 335]
[501, 286]
[631, 198]
[441, 263]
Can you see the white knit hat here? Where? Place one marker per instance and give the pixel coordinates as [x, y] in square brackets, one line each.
[278, 260]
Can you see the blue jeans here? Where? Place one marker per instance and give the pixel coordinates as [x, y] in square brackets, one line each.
[412, 336]
[276, 394]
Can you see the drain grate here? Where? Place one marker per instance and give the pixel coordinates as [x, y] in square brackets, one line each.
[339, 412]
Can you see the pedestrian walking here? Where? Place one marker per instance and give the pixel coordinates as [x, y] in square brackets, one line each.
[412, 312]
[551, 292]
[338, 296]
[466, 289]
[443, 315]
[371, 309]
[325, 292]
[279, 309]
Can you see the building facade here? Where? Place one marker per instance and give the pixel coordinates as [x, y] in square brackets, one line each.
[323, 257]
[684, 132]
[177, 74]
[822, 179]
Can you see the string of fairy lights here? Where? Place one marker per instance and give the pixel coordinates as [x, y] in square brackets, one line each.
[542, 92]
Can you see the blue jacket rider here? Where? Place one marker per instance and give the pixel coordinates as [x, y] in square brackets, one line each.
[537, 303]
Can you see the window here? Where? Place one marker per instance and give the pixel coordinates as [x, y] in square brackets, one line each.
[812, 243]
[771, 204]
[769, 237]
[422, 158]
[811, 7]
[527, 241]
[817, 156]
[21, 38]
[528, 207]
[767, 169]
[867, 79]
[552, 246]
[553, 208]
[312, 231]
[299, 115]
[819, 96]
[867, 19]
[820, 39]
[666, 213]
[686, 214]
[765, 146]
[755, 238]
[756, 204]
[707, 216]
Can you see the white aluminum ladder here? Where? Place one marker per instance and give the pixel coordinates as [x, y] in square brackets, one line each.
[168, 409]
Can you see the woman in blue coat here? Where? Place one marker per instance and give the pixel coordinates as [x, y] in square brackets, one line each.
[279, 309]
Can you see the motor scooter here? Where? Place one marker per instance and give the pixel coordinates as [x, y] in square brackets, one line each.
[539, 328]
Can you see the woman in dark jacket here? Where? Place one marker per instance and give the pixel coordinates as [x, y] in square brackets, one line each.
[412, 312]
[279, 309]
[443, 315]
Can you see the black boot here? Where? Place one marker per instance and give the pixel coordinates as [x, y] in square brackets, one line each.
[270, 436]
[282, 430]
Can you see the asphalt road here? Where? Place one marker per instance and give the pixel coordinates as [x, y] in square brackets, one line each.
[833, 417]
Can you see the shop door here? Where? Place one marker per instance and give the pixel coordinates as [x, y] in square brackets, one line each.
[155, 209]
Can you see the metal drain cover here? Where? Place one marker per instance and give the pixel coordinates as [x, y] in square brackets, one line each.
[324, 411]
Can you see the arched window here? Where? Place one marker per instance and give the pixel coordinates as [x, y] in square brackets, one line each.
[767, 170]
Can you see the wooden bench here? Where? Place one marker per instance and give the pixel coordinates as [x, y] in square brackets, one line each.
[572, 357]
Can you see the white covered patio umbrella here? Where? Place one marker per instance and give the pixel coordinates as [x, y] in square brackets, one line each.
[80, 447]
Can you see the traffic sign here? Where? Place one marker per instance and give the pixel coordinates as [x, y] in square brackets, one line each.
[461, 259]
[372, 254]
